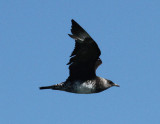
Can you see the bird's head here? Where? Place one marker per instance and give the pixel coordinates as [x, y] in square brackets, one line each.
[110, 83]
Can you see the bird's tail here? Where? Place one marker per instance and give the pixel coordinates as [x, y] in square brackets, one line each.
[46, 87]
[53, 87]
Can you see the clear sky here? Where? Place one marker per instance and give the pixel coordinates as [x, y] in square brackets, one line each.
[35, 47]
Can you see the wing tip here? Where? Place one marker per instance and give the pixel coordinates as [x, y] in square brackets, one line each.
[72, 20]
[75, 23]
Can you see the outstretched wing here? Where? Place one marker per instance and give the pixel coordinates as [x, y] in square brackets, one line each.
[85, 56]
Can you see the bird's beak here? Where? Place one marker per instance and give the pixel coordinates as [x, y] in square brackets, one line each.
[116, 85]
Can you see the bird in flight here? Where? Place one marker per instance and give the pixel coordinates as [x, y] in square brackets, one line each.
[84, 61]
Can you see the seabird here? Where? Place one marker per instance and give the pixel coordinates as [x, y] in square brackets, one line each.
[83, 63]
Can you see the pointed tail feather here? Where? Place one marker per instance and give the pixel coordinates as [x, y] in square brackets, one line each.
[53, 87]
[46, 87]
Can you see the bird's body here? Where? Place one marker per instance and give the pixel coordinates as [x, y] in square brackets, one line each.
[82, 65]
[82, 87]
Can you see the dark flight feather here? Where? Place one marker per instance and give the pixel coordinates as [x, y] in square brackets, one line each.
[84, 56]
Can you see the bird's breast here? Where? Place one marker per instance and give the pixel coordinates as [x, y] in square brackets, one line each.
[84, 87]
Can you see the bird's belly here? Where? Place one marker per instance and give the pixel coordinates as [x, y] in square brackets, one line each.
[85, 88]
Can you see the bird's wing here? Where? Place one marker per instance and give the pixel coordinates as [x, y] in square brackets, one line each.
[85, 56]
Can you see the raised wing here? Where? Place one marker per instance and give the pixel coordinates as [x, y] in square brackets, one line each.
[85, 56]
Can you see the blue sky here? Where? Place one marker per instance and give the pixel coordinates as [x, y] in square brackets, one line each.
[35, 47]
